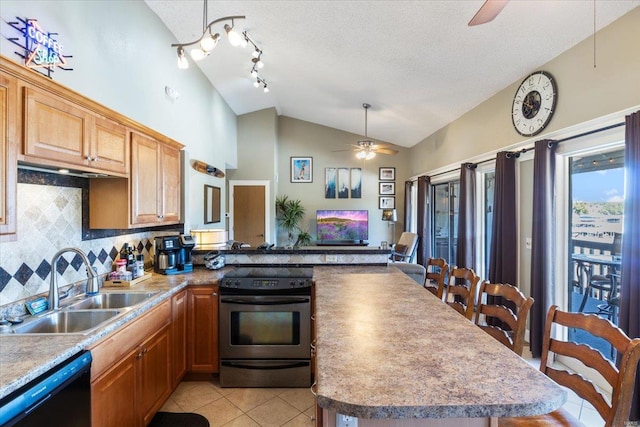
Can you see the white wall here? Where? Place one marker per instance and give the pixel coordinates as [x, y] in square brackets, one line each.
[123, 59]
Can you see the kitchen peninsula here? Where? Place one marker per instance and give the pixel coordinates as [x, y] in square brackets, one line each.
[389, 350]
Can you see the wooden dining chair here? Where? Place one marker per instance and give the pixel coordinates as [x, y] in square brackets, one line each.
[509, 308]
[461, 291]
[437, 269]
[615, 412]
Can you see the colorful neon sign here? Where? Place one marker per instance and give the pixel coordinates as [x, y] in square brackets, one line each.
[43, 51]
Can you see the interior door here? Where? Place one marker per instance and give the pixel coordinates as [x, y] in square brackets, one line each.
[249, 214]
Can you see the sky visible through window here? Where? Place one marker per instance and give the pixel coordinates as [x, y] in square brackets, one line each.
[599, 186]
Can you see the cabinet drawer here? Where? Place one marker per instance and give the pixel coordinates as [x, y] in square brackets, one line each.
[113, 347]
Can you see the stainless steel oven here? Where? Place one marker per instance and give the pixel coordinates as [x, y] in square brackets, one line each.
[265, 327]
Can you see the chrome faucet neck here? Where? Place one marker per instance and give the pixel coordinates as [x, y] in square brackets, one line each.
[92, 281]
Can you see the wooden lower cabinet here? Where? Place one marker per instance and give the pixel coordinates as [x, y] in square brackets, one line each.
[202, 329]
[179, 336]
[130, 374]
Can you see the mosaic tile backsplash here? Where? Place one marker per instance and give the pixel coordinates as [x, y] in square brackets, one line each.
[49, 219]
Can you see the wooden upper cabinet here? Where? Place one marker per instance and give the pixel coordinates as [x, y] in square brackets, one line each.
[8, 153]
[55, 129]
[62, 133]
[110, 148]
[155, 181]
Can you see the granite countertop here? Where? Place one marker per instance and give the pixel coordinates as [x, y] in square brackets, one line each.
[277, 250]
[387, 348]
[25, 357]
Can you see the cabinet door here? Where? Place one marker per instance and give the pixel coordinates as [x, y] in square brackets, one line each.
[155, 378]
[113, 395]
[202, 349]
[170, 167]
[110, 148]
[55, 129]
[145, 170]
[179, 336]
[8, 152]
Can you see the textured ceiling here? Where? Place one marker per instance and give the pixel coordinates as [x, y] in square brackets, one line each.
[416, 62]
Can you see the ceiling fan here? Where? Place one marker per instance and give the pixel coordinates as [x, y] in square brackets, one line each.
[366, 149]
[487, 12]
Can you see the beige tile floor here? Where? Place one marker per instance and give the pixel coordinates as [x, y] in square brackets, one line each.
[289, 407]
[243, 407]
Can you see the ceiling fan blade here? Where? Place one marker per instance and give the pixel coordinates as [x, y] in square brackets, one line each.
[382, 145]
[487, 12]
[385, 151]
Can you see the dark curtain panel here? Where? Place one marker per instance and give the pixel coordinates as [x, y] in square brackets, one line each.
[630, 270]
[542, 252]
[424, 220]
[502, 253]
[466, 217]
[407, 204]
[502, 256]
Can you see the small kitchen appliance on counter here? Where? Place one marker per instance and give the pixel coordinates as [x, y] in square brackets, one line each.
[173, 254]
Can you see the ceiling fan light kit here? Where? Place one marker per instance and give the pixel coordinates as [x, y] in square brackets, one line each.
[208, 41]
[366, 149]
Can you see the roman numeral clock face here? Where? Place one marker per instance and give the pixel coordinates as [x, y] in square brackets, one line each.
[534, 103]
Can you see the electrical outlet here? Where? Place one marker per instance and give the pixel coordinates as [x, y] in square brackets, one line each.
[331, 258]
[346, 421]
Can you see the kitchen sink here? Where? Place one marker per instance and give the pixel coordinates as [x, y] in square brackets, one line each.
[66, 322]
[111, 300]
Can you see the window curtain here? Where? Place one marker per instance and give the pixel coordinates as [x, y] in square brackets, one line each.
[504, 248]
[424, 220]
[542, 243]
[465, 253]
[407, 205]
[629, 319]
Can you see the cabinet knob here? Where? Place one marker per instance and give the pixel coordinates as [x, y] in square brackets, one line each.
[215, 294]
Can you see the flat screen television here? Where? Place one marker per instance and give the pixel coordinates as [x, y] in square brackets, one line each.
[342, 226]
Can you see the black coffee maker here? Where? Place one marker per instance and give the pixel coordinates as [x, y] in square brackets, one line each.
[173, 254]
[185, 261]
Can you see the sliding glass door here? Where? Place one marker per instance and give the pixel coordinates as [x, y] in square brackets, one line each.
[445, 220]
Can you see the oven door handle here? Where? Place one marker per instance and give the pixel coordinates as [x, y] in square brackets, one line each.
[253, 301]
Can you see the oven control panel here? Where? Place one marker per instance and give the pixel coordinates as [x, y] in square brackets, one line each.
[265, 284]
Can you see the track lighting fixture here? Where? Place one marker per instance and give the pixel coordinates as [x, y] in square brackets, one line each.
[209, 40]
[259, 82]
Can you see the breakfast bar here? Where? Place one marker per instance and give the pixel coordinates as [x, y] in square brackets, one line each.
[391, 353]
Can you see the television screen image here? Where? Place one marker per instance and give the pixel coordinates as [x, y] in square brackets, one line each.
[342, 225]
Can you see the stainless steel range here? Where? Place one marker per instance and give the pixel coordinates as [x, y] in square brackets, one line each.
[265, 327]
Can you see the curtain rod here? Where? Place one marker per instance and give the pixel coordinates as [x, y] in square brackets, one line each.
[516, 154]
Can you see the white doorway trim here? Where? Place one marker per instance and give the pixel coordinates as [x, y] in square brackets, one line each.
[267, 205]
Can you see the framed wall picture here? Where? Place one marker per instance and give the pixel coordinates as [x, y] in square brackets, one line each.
[301, 169]
[211, 204]
[330, 179]
[387, 188]
[386, 202]
[343, 183]
[387, 174]
[356, 183]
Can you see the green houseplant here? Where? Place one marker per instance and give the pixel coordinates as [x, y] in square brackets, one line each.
[289, 213]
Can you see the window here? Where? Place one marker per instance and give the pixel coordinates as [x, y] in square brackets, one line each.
[445, 220]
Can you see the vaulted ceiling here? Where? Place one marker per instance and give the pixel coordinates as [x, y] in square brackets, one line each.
[416, 62]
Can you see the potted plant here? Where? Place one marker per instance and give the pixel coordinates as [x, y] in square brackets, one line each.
[289, 213]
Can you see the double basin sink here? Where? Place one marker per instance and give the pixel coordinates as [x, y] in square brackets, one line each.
[83, 314]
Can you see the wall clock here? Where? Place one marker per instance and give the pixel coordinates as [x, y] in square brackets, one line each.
[534, 103]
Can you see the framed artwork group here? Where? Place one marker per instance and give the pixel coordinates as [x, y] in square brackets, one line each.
[342, 183]
[387, 188]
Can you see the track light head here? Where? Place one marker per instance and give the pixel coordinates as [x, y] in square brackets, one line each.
[234, 38]
[183, 64]
[209, 42]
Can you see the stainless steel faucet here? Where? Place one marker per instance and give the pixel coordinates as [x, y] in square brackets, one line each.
[92, 281]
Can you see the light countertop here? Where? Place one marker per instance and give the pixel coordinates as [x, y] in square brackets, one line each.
[388, 348]
[25, 357]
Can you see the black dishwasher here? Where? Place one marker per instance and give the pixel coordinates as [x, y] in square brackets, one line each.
[60, 397]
